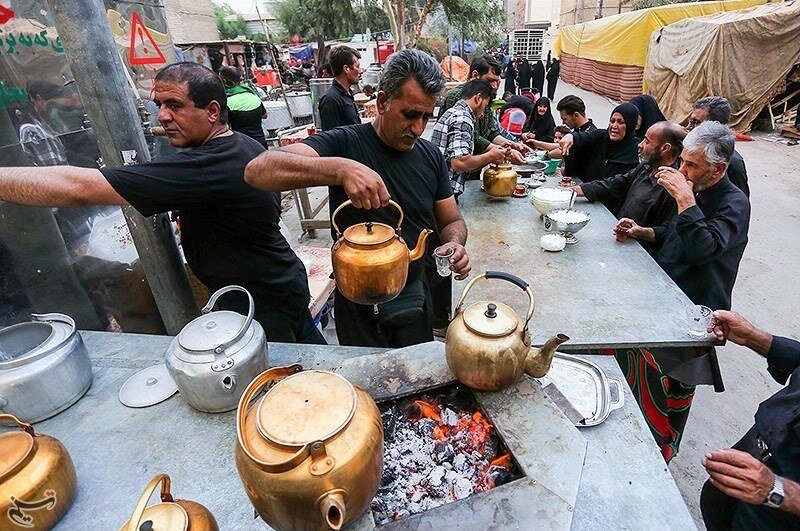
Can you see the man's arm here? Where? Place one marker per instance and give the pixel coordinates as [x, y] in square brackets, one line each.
[468, 163]
[299, 166]
[57, 186]
[453, 234]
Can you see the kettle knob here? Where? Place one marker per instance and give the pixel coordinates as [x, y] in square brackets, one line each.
[490, 311]
[369, 226]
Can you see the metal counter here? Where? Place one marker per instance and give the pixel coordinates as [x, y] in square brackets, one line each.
[600, 292]
[117, 450]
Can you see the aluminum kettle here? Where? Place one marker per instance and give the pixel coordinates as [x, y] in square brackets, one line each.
[216, 356]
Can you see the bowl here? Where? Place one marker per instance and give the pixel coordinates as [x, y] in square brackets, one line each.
[561, 220]
[548, 198]
[552, 242]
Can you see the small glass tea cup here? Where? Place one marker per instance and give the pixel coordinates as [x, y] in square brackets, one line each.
[442, 256]
[699, 320]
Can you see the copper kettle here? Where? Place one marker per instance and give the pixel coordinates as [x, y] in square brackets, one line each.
[310, 451]
[499, 180]
[37, 478]
[488, 347]
[370, 260]
[170, 514]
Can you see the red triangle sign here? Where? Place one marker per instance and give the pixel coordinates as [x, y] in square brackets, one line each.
[5, 15]
[143, 48]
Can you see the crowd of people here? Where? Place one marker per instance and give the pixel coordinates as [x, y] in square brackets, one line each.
[681, 192]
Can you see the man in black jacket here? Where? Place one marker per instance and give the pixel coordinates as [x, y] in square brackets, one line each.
[336, 106]
[754, 485]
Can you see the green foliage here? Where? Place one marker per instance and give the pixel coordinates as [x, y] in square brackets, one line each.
[479, 20]
[334, 19]
[644, 4]
[229, 29]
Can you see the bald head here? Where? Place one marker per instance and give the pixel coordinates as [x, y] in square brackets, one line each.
[662, 144]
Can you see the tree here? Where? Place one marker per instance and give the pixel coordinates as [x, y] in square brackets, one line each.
[333, 19]
[230, 29]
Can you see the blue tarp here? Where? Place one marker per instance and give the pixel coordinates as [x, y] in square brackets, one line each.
[304, 53]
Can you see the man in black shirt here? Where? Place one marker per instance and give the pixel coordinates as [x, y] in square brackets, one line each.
[637, 194]
[573, 114]
[369, 164]
[336, 106]
[245, 110]
[718, 109]
[229, 230]
[756, 484]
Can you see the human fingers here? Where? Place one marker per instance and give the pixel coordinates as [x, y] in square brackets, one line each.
[733, 457]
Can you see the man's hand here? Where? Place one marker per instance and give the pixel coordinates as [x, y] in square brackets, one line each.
[627, 228]
[734, 327]
[677, 185]
[578, 191]
[515, 156]
[739, 475]
[522, 148]
[566, 144]
[499, 156]
[528, 137]
[459, 261]
[363, 186]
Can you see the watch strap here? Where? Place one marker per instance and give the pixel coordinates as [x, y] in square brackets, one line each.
[776, 496]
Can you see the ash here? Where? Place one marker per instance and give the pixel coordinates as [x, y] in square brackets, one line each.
[437, 450]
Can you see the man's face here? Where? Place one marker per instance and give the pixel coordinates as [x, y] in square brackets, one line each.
[353, 71]
[490, 76]
[481, 103]
[651, 146]
[699, 171]
[569, 119]
[558, 136]
[403, 119]
[698, 116]
[185, 124]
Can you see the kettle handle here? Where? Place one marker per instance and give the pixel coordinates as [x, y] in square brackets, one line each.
[219, 349]
[508, 277]
[267, 377]
[141, 505]
[27, 428]
[58, 317]
[348, 203]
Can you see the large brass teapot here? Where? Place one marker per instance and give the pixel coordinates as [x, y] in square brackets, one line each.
[499, 180]
[370, 260]
[310, 451]
[170, 514]
[37, 478]
[488, 347]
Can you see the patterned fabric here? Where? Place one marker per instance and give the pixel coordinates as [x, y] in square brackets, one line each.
[41, 147]
[664, 401]
[486, 127]
[454, 135]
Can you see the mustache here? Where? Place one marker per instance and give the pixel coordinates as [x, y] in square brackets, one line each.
[408, 133]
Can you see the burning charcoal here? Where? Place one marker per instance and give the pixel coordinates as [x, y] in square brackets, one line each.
[443, 451]
[459, 462]
[449, 417]
[448, 465]
[501, 476]
[417, 496]
[436, 476]
[461, 488]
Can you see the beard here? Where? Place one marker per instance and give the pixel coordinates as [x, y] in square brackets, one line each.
[704, 183]
[644, 158]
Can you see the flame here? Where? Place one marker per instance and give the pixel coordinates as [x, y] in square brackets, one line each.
[503, 461]
[428, 410]
[439, 434]
[479, 430]
[487, 481]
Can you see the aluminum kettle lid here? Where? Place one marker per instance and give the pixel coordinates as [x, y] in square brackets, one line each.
[491, 319]
[15, 446]
[306, 407]
[148, 387]
[369, 233]
[210, 330]
[164, 516]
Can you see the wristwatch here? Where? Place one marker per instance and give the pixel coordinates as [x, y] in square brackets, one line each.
[775, 496]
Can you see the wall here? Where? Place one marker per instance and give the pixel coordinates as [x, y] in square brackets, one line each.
[578, 11]
[191, 20]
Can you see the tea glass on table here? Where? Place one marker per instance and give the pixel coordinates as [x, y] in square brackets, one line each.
[699, 320]
[442, 256]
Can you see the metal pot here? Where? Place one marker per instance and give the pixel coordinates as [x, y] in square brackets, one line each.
[318, 87]
[170, 514]
[300, 104]
[310, 451]
[499, 180]
[37, 478]
[488, 348]
[216, 355]
[370, 260]
[44, 367]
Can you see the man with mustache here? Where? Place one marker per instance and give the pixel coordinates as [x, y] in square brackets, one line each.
[229, 230]
[369, 164]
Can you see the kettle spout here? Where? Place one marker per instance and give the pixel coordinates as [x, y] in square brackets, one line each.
[419, 250]
[333, 509]
[539, 359]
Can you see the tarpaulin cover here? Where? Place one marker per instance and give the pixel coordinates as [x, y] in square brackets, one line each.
[306, 53]
[622, 39]
[744, 56]
[460, 68]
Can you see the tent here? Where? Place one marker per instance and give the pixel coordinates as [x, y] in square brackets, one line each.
[460, 68]
[608, 55]
[744, 56]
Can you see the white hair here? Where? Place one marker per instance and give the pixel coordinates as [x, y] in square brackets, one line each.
[713, 139]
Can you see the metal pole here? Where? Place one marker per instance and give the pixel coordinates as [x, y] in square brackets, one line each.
[598, 10]
[275, 62]
[84, 29]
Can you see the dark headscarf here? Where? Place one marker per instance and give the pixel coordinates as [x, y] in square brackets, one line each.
[625, 150]
[649, 111]
[543, 127]
[554, 70]
[520, 102]
[538, 75]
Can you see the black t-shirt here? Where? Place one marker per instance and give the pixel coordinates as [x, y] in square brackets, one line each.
[229, 230]
[337, 108]
[249, 123]
[416, 179]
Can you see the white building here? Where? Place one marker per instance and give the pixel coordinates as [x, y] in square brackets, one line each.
[532, 26]
[191, 20]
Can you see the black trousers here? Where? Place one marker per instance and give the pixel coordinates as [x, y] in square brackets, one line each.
[283, 328]
[357, 325]
[721, 512]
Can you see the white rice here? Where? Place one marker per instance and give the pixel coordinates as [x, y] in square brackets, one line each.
[552, 242]
[568, 216]
[553, 194]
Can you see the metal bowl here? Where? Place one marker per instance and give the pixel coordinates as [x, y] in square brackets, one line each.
[565, 228]
[544, 205]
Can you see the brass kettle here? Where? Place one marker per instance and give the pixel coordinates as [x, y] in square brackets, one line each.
[37, 478]
[499, 180]
[170, 514]
[310, 451]
[488, 347]
[370, 260]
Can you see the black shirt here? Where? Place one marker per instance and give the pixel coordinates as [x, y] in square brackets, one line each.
[415, 179]
[337, 108]
[778, 417]
[575, 166]
[229, 230]
[737, 173]
[249, 123]
[702, 246]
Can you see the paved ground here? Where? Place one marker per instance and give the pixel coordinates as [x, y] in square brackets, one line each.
[765, 292]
